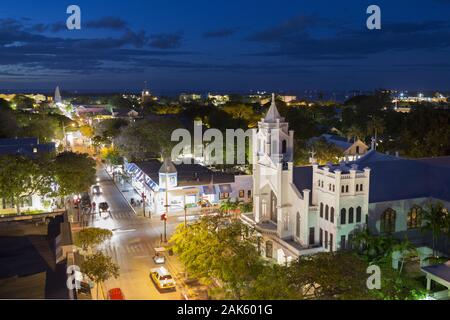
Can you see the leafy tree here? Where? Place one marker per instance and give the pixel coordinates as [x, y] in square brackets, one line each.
[215, 248]
[4, 104]
[110, 129]
[21, 177]
[8, 124]
[74, 173]
[111, 156]
[146, 139]
[21, 101]
[375, 126]
[99, 268]
[89, 238]
[373, 248]
[87, 131]
[337, 275]
[326, 152]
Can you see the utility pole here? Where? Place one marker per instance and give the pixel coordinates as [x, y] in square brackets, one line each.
[167, 206]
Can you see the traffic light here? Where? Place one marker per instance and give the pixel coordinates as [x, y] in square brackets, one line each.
[163, 217]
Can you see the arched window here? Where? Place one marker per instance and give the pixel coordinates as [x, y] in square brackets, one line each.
[414, 217]
[350, 215]
[358, 214]
[333, 188]
[269, 249]
[387, 221]
[332, 215]
[357, 187]
[343, 215]
[273, 208]
[342, 189]
[283, 146]
[321, 210]
[326, 212]
[346, 189]
[297, 228]
[361, 187]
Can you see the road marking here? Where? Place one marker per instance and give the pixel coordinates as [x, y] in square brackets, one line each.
[123, 231]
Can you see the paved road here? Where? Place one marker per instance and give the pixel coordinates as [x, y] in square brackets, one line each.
[132, 245]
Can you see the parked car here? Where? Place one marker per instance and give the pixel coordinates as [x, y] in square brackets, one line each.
[162, 279]
[159, 257]
[85, 200]
[115, 294]
[103, 206]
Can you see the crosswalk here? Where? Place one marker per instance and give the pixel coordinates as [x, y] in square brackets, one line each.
[116, 215]
[131, 249]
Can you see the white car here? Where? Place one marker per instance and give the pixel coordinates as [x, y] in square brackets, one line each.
[96, 189]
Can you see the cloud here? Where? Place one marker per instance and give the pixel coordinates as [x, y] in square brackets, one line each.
[220, 33]
[292, 38]
[22, 48]
[166, 40]
[112, 23]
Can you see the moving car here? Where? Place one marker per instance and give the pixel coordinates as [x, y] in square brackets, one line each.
[115, 294]
[96, 189]
[103, 206]
[162, 278]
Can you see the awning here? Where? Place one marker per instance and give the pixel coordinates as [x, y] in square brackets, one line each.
[184, 192]
[225, 188]
[209, 189]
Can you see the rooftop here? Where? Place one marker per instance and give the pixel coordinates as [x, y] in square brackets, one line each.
[187, 174]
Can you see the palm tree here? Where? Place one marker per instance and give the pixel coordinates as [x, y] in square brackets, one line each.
[407, 251]
[354, 132]
[375, 126]
[434, 221]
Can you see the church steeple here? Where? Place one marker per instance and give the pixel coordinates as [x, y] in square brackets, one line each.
[273, 115]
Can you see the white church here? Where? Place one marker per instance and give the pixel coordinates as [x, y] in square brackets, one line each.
[310, 209]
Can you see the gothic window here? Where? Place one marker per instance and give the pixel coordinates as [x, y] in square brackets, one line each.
[326, 212]
[357, 187]
[311, 236]
[269, 249]
[332, 215]
[342, 189]
[387, 221]
[361, 187]
[286, 221]
[321, 210]
[326, 239]
[343, 214]
[321, 237]
[297, 229]
[413, 218]
[346, 189]
[273, 208]
[283, 146]
[358, 214]
[264, 208]
[333, 187]
[350, 215]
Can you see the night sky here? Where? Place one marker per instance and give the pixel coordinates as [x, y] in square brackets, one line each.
[220, 46]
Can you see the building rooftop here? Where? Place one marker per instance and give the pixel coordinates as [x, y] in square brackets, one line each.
[187, 174]
[28, 268]
[25, 146]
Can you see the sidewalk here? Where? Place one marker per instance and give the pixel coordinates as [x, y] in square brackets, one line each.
[128, 192]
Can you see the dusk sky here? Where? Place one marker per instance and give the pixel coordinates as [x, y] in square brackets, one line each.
[219, 46]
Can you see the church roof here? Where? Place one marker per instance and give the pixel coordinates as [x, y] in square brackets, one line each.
[273, 114]
[393, 178]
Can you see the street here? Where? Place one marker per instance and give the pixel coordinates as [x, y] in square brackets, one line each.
[132, 245]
